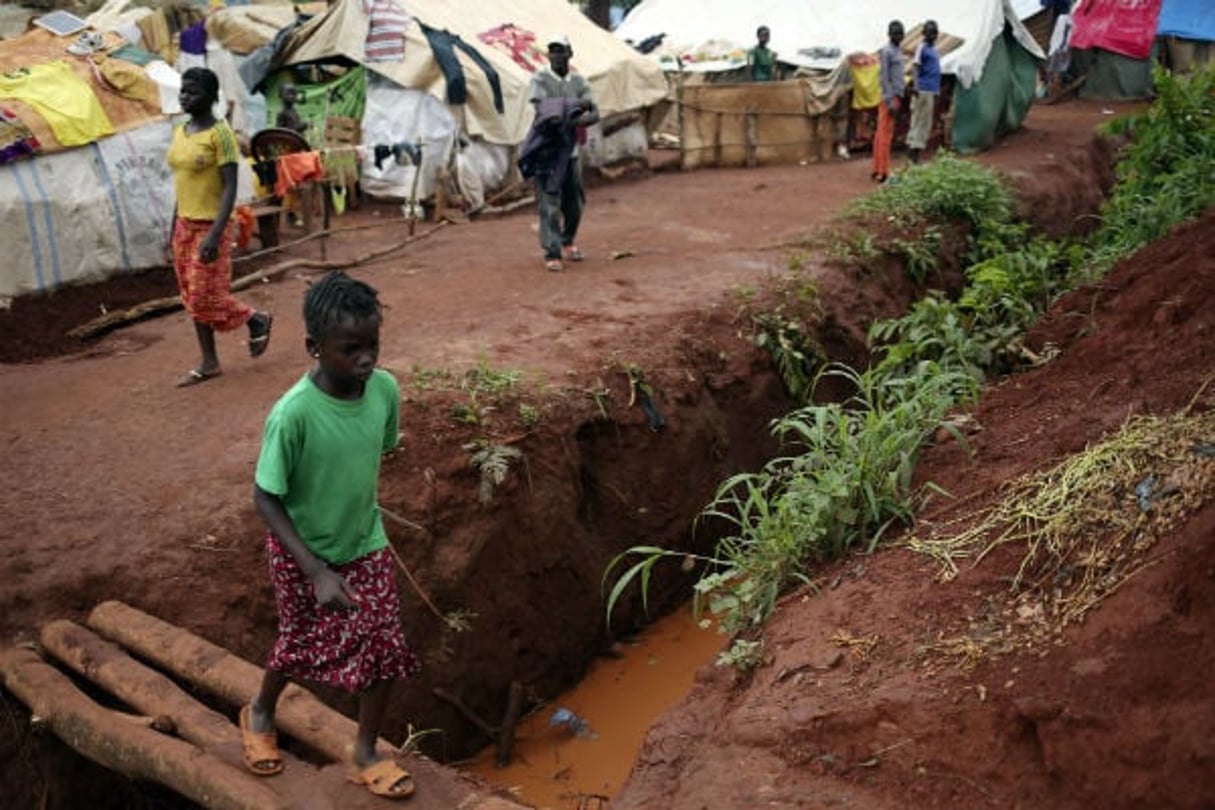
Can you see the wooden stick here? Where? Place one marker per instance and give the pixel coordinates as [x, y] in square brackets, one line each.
[110, 739]
[506, 208]
[510, 719]
[477, 720]
[489, 202]
[416, 585]
[308, 237]
[112, 320]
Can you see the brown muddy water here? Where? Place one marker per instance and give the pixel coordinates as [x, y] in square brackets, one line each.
[555, 768]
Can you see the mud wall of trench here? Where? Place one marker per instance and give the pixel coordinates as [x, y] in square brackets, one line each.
[528, 569]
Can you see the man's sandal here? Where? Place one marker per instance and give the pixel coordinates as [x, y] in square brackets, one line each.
[259, 340]
[384, 778]
[553, 265]
[196, 375]
[573, 253]
[261, 748]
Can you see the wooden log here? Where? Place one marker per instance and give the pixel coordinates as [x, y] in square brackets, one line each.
[156, 695]
[217, 671]
[110, 739]
[136, 685]
[119, 317]
[300, 714]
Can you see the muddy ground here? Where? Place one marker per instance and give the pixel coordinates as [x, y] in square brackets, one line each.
[117, 485]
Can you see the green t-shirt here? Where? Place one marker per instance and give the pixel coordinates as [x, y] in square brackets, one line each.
[762, 62]
[321, 456]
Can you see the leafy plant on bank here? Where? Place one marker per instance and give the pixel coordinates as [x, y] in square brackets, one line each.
[846, 480]
[493, 461]
[945, 189]
[1005, 294]
[797, 357]
[909, 215]
[1167, 173]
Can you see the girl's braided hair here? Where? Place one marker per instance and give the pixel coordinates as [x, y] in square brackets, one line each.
[334, 297]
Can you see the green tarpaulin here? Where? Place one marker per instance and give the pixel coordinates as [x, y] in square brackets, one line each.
[998, 102]
[343, 97]
[1111, 75]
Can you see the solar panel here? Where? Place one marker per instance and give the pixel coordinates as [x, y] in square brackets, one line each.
[62, 23]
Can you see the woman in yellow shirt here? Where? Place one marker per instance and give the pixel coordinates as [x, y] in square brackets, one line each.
[203, 157]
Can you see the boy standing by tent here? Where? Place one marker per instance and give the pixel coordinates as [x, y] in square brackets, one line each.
[890, 67]
[924, 93]
[761, 60]
[559, 189]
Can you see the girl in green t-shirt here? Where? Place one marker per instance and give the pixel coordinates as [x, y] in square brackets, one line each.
[315, 487]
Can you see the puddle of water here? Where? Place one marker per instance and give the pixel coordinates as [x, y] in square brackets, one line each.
[619, 699]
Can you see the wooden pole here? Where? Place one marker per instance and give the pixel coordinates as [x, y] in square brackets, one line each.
[136, 685]
[752, 137]
[119, 317]
[679, 112]
[110, 739]
[510, 719]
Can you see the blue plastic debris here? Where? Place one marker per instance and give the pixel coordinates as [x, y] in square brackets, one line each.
[564, 717]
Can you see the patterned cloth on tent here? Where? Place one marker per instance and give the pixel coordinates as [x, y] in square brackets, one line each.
[16, 139]
[386, 30]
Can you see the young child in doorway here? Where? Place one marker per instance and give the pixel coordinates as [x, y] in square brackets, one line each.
[289, 118]
[315, 487]
[761, 60]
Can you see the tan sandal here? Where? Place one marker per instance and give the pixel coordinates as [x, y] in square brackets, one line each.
[384, 778]
[261, 748]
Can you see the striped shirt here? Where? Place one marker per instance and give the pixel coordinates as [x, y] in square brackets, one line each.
[386, 30]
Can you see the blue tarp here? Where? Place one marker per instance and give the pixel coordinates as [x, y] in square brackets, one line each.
[1188, 19]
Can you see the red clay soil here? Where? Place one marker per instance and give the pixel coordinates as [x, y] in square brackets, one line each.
[117, 485]
[1118, 715]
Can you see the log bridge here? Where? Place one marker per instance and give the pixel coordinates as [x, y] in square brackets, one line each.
[165, 735]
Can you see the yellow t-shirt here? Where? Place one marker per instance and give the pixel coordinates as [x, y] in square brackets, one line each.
[195, 161]
[66, 101]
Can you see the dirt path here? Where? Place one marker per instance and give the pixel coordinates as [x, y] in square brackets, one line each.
[113, 470]
[117, 485]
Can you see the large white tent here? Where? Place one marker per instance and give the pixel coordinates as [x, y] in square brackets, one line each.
[993, 61]
[817, 34]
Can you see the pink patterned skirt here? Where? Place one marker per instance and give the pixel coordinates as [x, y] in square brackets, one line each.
[351, 649]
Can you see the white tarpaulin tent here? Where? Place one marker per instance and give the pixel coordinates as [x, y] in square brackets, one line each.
[407, 99]
[90, 195]
[994, 62]
[86, 213]
[816, 34]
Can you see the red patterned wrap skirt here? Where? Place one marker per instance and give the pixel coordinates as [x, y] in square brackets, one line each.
[350, 649]
[206, 289]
